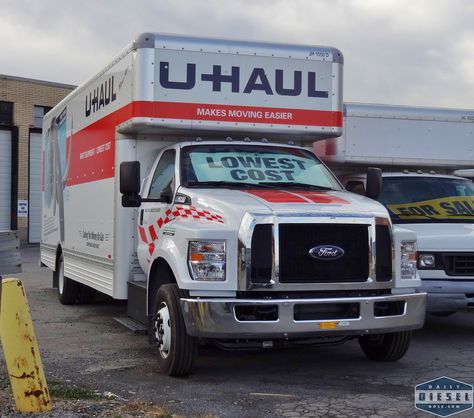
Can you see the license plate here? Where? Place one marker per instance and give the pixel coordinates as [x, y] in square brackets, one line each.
[328, 325]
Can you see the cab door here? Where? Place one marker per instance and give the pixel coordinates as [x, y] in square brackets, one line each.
[162, 188]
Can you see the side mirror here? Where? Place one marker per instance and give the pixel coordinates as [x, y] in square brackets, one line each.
[130, 184]
[373, 186]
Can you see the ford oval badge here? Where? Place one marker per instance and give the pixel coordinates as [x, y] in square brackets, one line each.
[326, 252]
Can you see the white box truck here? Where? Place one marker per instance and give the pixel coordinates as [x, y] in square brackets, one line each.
[172, 179]
[419, 150]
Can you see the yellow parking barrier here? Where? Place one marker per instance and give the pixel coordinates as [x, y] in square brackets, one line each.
[21, 350]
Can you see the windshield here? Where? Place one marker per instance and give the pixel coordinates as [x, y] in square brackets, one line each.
[425, 200]
[244, 166]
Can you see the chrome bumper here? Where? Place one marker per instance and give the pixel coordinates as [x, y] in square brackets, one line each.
[216, 318]
[448, 295]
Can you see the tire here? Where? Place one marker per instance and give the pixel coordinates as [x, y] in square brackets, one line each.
[86, 294]
[442, 314]
[177, 351]
[68, 290]
[385, 347]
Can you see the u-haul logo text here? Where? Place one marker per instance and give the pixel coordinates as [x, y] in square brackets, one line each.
[101, 96]
[284, 83]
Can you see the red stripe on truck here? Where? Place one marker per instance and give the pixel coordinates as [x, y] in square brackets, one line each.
[152, 231]
[246, 114]
[141, 230]
[318, 197]
[91, 150]
[277, 196]
[281, 196]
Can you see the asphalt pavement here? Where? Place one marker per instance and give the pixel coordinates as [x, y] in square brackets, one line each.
[83, 345]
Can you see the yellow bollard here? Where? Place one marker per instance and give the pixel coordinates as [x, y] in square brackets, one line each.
[21, 350]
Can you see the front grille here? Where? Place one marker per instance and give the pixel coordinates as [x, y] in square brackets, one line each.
[297, 265]
[262, 254]
[325, 311]
[383, 252]
[459, 264]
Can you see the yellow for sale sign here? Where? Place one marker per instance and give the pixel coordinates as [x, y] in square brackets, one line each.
[455, 207]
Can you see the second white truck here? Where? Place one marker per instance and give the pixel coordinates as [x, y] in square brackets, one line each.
[419, 149]
[181, 178]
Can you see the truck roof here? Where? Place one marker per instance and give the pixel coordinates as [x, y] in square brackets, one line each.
[408, 112]
[233, 46]
[427, 174]
[408, 174]
[231, 141]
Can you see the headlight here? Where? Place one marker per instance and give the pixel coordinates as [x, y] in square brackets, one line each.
[427, 261]
[408, 251]
[206, 260]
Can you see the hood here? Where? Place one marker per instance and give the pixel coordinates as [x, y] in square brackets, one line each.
[233, 204]
[443, 236]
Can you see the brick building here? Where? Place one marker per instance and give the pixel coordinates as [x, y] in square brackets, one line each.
[23, 102]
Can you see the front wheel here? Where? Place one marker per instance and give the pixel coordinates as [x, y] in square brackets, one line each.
[177, 351]
[385, 347]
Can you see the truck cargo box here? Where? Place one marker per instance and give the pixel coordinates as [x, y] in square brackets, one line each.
[180, 85]
[402, 136]
[162, 89]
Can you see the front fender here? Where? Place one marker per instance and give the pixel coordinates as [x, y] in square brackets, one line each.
[172, 246]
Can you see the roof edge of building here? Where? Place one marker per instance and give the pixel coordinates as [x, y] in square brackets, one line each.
[35, 81]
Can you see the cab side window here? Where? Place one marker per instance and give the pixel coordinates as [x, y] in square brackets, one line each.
[355, 187]
[163, 176]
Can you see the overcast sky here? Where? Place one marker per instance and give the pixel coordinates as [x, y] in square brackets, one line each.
[410, 52]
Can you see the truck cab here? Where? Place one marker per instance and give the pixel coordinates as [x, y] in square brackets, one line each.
[266, 247]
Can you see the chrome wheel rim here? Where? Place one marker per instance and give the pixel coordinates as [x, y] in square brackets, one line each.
[61, 278]
[163, 330]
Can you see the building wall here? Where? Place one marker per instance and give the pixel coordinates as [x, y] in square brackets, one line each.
[25, 94]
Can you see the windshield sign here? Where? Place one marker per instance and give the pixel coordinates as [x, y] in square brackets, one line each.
[428, 199]
[254, 165]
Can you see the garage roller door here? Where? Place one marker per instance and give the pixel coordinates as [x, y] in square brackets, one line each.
[5, 179]
[34, 215]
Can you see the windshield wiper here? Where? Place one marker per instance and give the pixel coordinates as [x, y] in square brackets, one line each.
[293, 184]
[222, 183]
[397, 217]
[263, 185]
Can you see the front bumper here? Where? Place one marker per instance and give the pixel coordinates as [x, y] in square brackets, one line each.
[448, 295]
[216, 318]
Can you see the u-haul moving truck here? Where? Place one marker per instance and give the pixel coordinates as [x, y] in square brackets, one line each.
[171, 180]
[419, 150]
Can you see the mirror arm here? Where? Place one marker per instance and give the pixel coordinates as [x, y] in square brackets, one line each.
[154, 200]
